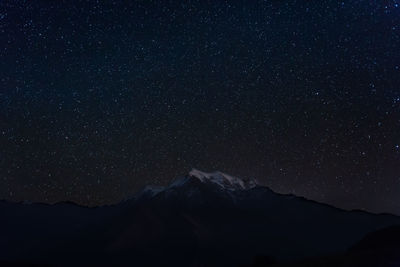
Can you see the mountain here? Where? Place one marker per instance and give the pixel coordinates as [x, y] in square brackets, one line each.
[202, 219]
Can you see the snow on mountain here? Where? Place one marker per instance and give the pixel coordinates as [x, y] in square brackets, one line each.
[150, 191]
[179, 182]
[224, 180]
[191, 182]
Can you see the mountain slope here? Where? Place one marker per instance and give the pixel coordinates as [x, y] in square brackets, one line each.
[203, 219]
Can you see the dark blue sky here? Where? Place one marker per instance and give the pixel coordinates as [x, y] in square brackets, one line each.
[99, 98]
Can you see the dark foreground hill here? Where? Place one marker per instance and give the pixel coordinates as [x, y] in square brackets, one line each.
[380, 248]
[199, 220]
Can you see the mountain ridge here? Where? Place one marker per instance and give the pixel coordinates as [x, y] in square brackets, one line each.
[201, 218]
[192, 174]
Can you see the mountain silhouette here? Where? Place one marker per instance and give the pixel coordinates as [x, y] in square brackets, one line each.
[202, 219]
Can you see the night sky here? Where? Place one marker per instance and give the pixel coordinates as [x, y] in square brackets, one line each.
[100, 98]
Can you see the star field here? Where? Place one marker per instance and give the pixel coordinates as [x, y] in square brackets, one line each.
[99, 98]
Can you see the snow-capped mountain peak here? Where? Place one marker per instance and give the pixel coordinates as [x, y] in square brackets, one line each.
[224, 180]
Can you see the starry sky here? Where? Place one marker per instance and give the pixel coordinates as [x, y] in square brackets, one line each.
[99, 98]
